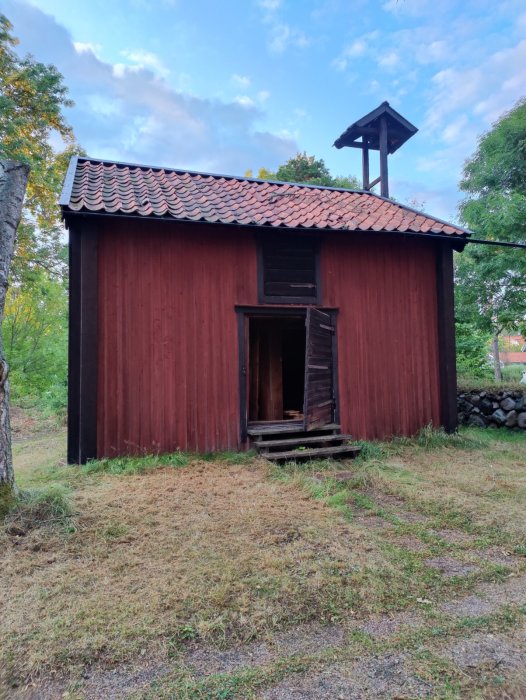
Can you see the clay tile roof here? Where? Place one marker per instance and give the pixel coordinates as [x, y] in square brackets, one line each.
[122, 189]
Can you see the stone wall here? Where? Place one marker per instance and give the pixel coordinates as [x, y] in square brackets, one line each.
[492, 408]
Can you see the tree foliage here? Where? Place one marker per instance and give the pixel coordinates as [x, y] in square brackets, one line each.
[491, 280]
[307, 170]
[35, 340]
[33, 98]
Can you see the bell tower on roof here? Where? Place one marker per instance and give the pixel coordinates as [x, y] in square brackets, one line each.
[382, 130]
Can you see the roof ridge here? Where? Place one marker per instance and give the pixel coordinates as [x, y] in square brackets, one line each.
[239, 178]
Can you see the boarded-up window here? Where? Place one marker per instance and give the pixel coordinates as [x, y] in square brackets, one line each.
[288, 270]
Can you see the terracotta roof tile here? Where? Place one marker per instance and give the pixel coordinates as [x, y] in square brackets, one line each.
[115, 188]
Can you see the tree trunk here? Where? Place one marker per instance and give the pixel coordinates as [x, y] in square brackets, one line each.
[13, 181]
[496, 358]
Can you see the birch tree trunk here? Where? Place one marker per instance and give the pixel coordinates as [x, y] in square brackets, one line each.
[13, 181]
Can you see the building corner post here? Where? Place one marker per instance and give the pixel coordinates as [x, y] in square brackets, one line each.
[446, 337]
[83, 342]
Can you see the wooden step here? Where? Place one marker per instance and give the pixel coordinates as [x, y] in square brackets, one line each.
[295, 427]
[296, 442]
[313, 453]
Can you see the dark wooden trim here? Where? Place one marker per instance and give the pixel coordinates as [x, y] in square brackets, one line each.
[446, 338]
[365, 164]
[242, 352]
[74, 347]
[457, 241]
[335, 376]
[384, 175]
[83, 352]
[265, 299]
[291, 310]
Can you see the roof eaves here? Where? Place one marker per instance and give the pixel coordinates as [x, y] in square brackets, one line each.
[404, 207]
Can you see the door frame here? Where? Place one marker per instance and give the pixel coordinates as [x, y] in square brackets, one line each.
[243, 314]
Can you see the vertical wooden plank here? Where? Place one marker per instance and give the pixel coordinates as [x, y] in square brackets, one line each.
[271, 374]
[446, 337]
[385, 289]
[74, 345]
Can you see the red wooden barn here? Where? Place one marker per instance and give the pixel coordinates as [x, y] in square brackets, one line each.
[207, 308]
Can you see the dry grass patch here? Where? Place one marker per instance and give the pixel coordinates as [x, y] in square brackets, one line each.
[481, 477]
[166, 569]
[210, 551]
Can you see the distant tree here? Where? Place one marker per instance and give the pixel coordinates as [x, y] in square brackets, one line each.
[472, 352]
[491, 281]
[35, 339]
[307, 170]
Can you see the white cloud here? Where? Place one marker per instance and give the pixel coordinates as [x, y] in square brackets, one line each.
[354, 50]
[270, 5]
[389, 61]
[484, 91]
[300, 113]
[405, 7]
[103, 106]
[357, 48]
[125, 112]
[431, 52]
[240, 80]
[244, 101]
[454, 129]
[263, 96]
[86, 47]
[147, 60]
[283, 36]
[340, 63]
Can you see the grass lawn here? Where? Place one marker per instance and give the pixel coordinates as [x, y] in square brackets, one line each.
[400, 574]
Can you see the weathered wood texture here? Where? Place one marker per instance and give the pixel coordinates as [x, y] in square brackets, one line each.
[385, 288]
[168, 373]
[13, 181]
[168, 356]
[318, 392]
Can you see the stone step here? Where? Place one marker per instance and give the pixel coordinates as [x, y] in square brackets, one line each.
[339, 451]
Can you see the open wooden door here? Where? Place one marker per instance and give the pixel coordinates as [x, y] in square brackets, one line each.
[318, 406]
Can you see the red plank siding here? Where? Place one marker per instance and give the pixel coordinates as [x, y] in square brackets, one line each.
[168, 358]
[168, 369]
[385, 288]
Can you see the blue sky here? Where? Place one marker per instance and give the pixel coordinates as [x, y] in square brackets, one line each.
[227, 85]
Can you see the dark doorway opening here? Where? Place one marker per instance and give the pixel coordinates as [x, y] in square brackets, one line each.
[276, 368]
